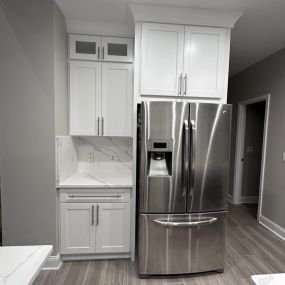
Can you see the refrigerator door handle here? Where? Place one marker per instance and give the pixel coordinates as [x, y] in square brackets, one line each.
[185, 168]
[208, 221]
[193, 151]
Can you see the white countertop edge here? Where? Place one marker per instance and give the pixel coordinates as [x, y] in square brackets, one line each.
[268, 279]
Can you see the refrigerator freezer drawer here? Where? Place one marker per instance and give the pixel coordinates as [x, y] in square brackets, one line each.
[181, 244]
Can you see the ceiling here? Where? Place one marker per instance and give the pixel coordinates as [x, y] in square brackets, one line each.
[259, 33]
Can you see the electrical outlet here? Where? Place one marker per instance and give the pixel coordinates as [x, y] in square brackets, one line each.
[90, 157]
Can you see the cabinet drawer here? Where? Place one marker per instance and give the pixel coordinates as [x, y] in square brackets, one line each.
[87, 196]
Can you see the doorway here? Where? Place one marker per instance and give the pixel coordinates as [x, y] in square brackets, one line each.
[250, 153]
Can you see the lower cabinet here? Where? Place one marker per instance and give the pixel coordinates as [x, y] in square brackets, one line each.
[90, 228]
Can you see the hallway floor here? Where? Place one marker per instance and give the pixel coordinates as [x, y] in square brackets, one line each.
[250, 249]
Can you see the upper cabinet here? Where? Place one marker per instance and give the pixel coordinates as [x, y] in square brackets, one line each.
[178, 60]
[100, 48]
[162, 59]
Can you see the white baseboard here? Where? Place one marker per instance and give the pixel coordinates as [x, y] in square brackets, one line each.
[230, 198]
[249, 199]
[273, 227]
[53, 263]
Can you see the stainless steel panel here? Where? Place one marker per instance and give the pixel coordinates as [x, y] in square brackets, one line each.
[162, 122]
[180, 244]
[209, 159]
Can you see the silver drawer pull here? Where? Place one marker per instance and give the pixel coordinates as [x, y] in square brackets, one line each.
[95, 197]
[186, 224]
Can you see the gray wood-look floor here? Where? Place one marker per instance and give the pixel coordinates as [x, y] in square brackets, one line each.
[251, 249]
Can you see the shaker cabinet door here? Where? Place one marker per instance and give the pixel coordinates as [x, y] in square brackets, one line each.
[162, 59]
[204, 56]
[116, 99]
[85, 98]
[113, 227]
[77, 228]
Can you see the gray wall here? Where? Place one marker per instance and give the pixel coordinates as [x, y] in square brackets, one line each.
[267, 76]
[27, 113]
[253, 142]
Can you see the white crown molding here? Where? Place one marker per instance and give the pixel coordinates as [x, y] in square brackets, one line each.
[53, 263]
[184, 15]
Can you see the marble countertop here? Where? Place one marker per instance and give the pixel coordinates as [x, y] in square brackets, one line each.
[21, 264]
[269, 279]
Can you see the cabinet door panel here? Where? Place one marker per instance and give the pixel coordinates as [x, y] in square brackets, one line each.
[204, 61]
[85, 97]
[117, 49]
[84, 47]
[162, 59]
[113, 228]
[77, 230]
[116, 99]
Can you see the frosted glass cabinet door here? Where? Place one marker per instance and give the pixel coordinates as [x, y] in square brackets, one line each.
[117, 49]
[116, 99]
[84, 47]
[77, 228]
[204, 62]
[113, 228]
[85, 97]
[162, 59]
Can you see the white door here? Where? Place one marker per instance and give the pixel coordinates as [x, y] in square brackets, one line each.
[116, 99]
[84, 47]
[113, 228]
[117, 49]
[162, 59]
[85, 98]
[204, 62]
[77, 228]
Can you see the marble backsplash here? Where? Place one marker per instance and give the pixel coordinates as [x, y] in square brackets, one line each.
[108, 153]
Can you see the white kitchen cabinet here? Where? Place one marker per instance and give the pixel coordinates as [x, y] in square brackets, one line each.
[184, 61]
[162, 59]
[84, 47]
[85, 97]
[100, 48]
[117, 49]
[77, 228]
[100, 98]
[116, 99]
[113, 228]
[204, 56]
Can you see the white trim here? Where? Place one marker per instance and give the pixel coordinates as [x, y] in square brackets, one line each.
[249, 199]
[184, 15]
[241, 119]
[273, 227]
[53, 263]
[230, 198]
[96, 256]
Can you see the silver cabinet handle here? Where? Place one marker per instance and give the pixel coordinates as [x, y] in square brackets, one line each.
[189, 224]
[98, 125]
[92, 215]
[98, 52]
[97, 215]
[103, 52]
[102, 127]
[180, 84]
[185, 169]
[185, 84]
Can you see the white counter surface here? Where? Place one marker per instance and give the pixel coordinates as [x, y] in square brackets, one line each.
[21, 264]
[269, 279]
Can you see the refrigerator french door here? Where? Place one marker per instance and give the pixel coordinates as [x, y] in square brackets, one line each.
[183, 184]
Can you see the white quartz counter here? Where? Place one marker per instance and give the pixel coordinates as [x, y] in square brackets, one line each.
[103, 175]
[21, 264]
[269, 279]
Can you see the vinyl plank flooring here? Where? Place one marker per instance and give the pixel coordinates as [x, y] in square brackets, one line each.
[250, 249]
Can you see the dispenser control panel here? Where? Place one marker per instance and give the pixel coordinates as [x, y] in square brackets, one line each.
[160, 145]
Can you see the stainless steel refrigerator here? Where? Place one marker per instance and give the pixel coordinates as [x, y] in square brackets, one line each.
[183, 177]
